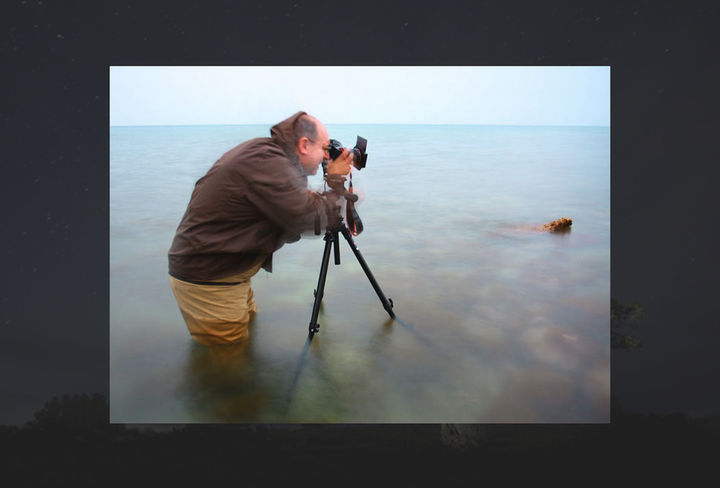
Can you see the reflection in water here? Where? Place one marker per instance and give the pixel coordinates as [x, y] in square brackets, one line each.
[221, 384]
[557, 345]
[535, 395]
[298, 371]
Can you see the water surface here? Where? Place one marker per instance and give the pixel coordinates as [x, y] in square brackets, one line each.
[495, 322]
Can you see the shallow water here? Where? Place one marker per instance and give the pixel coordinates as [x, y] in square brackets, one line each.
[494, 322]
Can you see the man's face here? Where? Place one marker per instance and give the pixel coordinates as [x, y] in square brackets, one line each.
[312, 152]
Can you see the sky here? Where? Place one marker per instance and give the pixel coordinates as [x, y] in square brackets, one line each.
[207, 95]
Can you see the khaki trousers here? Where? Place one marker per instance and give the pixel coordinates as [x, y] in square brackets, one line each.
[217, 314]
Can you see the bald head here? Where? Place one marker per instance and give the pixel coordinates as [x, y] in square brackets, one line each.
[311, 139]
[306, 126]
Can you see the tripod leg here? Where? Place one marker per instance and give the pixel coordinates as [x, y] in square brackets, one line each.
[387, 303]
[336, 247]
[314, 326]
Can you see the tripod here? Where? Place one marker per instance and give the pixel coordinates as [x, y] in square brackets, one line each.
[332, 240]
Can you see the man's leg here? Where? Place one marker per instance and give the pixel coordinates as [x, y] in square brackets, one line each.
[217, 314]
[251, 305]
[214, 314]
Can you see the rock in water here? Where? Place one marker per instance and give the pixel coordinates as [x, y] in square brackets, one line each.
[560, 225]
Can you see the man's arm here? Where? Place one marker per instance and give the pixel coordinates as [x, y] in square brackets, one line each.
[290, 205]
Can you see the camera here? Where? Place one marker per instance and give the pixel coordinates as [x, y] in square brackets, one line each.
[360, 156]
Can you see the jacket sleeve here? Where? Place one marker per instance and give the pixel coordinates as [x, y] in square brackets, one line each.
[280, 194]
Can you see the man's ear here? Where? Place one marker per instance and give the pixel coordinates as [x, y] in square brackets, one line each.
[302, 145]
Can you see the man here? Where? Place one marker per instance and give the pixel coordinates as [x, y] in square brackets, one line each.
[251, 201]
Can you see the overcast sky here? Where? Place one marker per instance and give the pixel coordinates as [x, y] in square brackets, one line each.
[361, 95]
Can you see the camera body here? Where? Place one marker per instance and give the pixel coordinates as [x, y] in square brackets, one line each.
[360, 156]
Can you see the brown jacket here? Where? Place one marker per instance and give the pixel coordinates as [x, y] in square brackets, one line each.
[253, 200]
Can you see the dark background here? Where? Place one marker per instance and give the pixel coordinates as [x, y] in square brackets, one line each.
[664, 76]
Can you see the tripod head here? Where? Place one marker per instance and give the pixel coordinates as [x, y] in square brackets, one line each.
[335, 217]
[358, 158]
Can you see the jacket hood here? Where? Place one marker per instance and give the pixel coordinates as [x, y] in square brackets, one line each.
[284, 132]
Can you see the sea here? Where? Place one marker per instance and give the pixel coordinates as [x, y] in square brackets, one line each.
[495, 321]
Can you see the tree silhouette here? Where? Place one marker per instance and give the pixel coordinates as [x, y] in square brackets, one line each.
[623, 321]
[77, 414]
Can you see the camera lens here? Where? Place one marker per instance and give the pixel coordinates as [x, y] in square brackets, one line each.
[335, 149]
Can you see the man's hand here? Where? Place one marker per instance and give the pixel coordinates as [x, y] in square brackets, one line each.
[341, 165]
